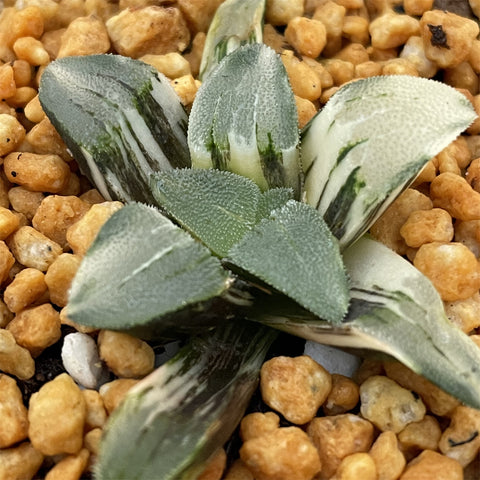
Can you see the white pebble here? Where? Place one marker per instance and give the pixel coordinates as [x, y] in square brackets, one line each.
[81, 360]
[332, 359]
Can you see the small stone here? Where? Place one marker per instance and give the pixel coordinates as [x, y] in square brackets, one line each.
[114, 392]
[460, 440]
[81, 234]
[70, 467]
[82, 361]
[432, 465]
[36, 328]
[135, 32]
[257, 424]
[33, 249]
[13, 414]
[338, 436]
[92, 440]
[296, 387]
[21, 461]
[57, 416]
[15, 359]
[96, 412]
[126, 356]
[388, 405]
[283, 453]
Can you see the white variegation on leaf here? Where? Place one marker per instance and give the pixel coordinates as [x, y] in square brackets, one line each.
[399, 306]
[369, 143]
[119, 117]
[395, 309]
[235, 23]
[172, 421]
[244, 120]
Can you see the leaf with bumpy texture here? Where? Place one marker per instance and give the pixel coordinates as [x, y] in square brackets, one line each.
[244, 120]
[120, 118]
[369, 143]
[396, 310]
[294, 252]
[140, 269]
[215, 206]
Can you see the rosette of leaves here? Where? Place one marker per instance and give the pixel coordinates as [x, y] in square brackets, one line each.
[228, 260]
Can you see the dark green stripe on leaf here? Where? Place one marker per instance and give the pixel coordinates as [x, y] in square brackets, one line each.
[338, 209]
[128, 121]
[244, 120]
[407, 120]
[177, 417]
[272, 164]
[347, 149]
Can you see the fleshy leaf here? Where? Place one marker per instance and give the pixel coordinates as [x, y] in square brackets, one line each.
[170, 423]
[271, 200]
[141, 268]
[294, 252]
[216, 207]
[244, 120]
[395, 310]
[370, 141]
[120, 118]
[235, 23]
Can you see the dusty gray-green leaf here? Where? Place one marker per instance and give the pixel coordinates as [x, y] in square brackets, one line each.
[272, 200]
[140, 269]
[120, 118]
[294, 252]
[244, 120]
[217, 207]
[370, 141]
[235, 23]
[173, 420]
[395, 310]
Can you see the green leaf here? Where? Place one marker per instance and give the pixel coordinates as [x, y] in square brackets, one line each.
[173, 420]
[244, 120]
[235, 23]
[215, 206]
[120, 118]
[234, 219]
[271, 200]
[139, 270]
[370, 141]
[294, 252]
[395, 310]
